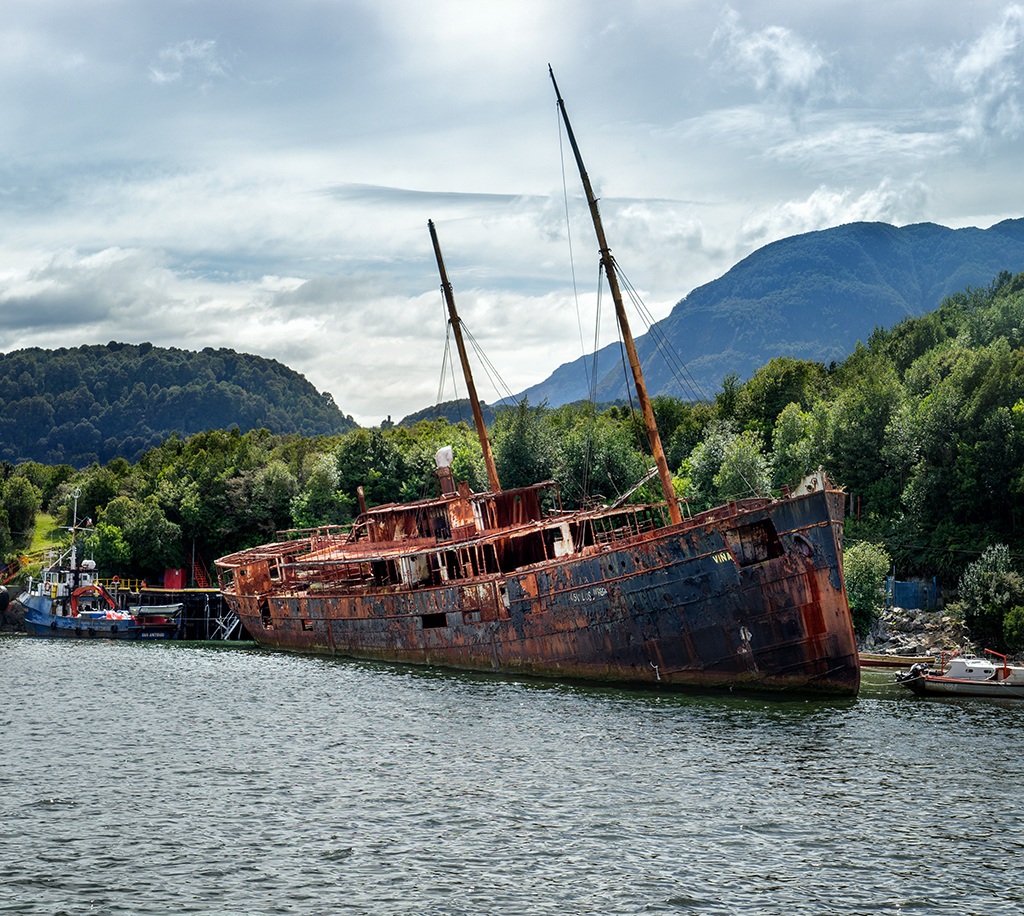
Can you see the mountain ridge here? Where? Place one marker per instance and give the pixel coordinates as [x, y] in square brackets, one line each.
[96, 402]
[809, 296]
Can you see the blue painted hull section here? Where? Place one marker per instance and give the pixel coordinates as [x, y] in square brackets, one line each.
[40, 622]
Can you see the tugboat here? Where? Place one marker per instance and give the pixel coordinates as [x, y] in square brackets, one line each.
[68, 600]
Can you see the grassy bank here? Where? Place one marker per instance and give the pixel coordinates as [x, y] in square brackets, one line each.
[44, 535]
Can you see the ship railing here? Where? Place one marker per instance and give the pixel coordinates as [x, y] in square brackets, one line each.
[350, 576]
[116, 583]
[338, 580]
[315, 563]
[322, 533]
[9, 571]
[627, 523]
[945, 659]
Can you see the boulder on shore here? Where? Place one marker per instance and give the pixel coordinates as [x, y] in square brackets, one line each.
[913, 631]
[12, 614]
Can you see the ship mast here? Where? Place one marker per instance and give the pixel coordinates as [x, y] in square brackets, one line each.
[608, 263]
[453, 316]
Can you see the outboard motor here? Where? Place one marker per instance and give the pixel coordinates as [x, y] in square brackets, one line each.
[5, 599]
[918, 669]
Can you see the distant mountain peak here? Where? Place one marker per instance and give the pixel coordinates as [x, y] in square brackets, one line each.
[810, 296]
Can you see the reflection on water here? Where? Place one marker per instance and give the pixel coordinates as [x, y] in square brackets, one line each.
[145, 779]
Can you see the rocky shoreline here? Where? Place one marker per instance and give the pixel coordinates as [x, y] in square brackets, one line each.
[12, 620]
[909, 631]
[12, 616]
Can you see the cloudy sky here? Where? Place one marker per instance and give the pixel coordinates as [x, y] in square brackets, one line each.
[258, 175]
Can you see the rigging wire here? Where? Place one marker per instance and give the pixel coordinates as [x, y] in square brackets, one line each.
[444, 367]
[676, 366]
[663, 346]
[490, 370]
[687, 384]
[679, 370]
[568, 232]
[596, 345]
[588, 449]
[591, 374]
[447, 362]
[628, 380]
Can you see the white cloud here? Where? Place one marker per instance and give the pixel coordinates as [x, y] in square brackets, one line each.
[889, 202]
[191, 61]
[285, 214]
[379, 352]
[845, 142]
[74, 293]
[780, 63]
[989, 74]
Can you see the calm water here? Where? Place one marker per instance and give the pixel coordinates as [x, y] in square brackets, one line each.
[181, 779]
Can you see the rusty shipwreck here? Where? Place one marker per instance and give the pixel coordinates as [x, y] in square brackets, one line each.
[750, 594]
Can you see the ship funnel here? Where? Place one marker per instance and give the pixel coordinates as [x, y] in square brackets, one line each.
[445, 481]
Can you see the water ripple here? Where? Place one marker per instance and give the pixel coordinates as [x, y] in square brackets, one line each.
[156, 779]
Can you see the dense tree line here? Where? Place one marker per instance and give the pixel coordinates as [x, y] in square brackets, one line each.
[923, 425]
[95, 403]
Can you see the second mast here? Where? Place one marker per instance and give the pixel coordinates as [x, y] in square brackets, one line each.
[453, 317]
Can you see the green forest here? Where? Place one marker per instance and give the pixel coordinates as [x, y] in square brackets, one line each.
[95, 403]
[923, 425]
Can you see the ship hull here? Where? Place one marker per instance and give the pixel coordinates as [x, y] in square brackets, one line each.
[40, 622]
[755, 599]
[955, 687]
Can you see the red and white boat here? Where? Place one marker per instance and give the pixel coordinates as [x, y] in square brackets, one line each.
[966, 675]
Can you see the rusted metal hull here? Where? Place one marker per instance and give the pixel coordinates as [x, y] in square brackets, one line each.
[747, 597]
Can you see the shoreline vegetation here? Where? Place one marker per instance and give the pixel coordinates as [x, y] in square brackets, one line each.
[923, 425]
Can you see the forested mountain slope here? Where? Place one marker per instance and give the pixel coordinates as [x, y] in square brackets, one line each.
[810, 296]
[459, 411]
[94, 403]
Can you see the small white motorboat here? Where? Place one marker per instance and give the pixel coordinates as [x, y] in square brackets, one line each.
[966, 675]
